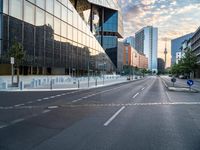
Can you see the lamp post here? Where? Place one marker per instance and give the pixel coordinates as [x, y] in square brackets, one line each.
[88, 68]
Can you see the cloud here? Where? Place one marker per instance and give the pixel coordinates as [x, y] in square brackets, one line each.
[173, 18]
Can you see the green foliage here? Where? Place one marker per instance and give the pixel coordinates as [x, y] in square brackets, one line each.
[186, 65]
[16, 51]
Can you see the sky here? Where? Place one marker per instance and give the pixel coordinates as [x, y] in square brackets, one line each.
[174, 18]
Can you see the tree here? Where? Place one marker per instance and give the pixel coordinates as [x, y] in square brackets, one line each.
[143, 71]
[16, 51]
[186, 65]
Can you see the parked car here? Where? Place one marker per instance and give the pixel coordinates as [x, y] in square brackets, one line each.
[182, 77]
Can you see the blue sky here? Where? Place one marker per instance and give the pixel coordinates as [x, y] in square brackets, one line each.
[173, 18]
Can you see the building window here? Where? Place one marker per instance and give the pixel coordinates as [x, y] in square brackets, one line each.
[57, 9]
[57, 26]
[49, 6]
[15, 8]
[64, 13]
[5, 7]
[41, 3]
[49, 20]
[28, 12]
[64, 29]
[39, 17]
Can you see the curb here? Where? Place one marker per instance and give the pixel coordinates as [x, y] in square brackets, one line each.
[179, 89]
[69, 89]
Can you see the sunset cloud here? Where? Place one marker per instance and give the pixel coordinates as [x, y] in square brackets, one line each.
[173, 18]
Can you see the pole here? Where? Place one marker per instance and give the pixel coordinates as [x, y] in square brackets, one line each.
[12, 71]
[88, 74]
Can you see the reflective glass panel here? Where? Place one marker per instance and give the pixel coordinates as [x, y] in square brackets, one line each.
[49, 6]
[15, 8]
[28, 12]
[5, 7]
[69, 33]
[57, 26]
[64, 13]
[41, 3]
[32, 1]
[39, 17]
[70, 20]
[57, 9]
[64, 29]
[49, 20]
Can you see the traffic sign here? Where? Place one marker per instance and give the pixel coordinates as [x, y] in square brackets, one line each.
[190, 82]
[12, 60]
[173, 79]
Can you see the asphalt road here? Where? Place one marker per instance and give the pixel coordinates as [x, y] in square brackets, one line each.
[139, 115]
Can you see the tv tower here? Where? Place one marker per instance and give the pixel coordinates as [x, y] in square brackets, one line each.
[165, 52]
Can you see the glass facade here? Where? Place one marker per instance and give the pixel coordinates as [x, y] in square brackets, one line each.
[53, 36]
[105, 21]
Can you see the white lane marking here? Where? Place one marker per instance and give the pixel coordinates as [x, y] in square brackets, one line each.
[30, 102]
[173, 103]
[17, 121]
[168, 96]
[19, 105]
[77, 100]
[52, 107]
[39, 100]
[142, 88]
[136, 95]
[52, 97]
[113, 117]
[46, 98]
[3, 126]
[46, 111]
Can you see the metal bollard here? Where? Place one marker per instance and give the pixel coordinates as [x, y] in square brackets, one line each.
[21, 85]
[78, 84]
[95, 82]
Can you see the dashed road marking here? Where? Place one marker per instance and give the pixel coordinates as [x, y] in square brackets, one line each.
[113, 117]
[142, 88]
[52, 107]
[46, 111]
[135, 95]
[18, 105]
[3, 126]
[17, 121]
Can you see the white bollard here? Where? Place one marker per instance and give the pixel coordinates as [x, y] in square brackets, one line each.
[4, 85]
[21, 85]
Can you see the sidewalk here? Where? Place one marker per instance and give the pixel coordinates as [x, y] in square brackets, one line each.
[180, 85]
[55, 83]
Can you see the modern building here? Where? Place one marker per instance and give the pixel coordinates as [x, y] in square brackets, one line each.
[130, 40]
[161, 65]
[178, 57]
[56, 37]
[195, 45]
[146, 42]
[134, 58]
[176, 46]
[120, 52]
[105, 21]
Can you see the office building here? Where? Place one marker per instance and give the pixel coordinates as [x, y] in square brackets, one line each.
[161, 65]
[130, 40]
[146, 42]
[195, 46]
[120, 52]
[133, 58]
[104, 19]
[176, 46]
[56, 37]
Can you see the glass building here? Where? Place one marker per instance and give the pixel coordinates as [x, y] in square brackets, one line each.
[55, 37]
[104, 19]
